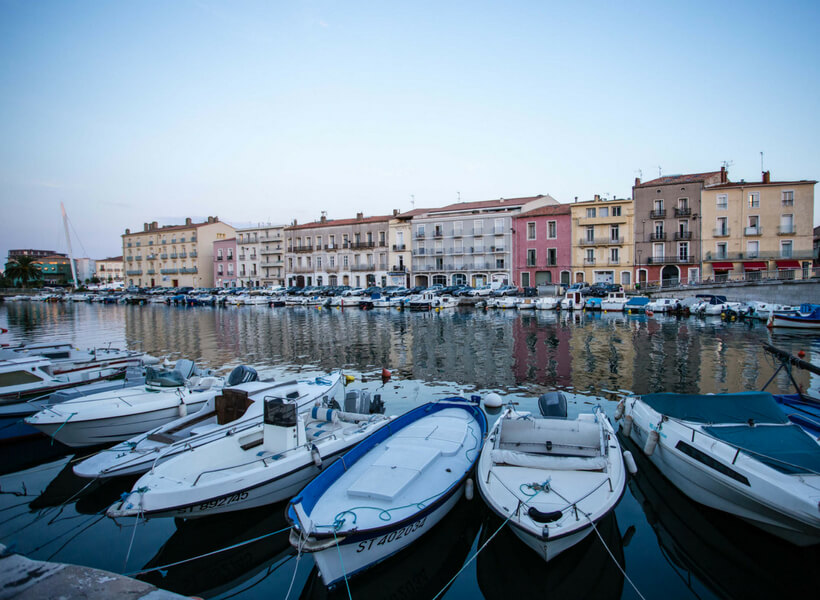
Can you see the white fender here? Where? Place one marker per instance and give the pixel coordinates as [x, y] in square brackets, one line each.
[629, 461]
[651, 443]
[469, 490]
[626, 426]
[619, 411]
[182, 409]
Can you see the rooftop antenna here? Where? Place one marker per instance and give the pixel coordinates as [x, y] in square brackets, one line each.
[728, 163]
[459, 196]
[413, 201]
[640, 173]
[659, 170]
[761, 161]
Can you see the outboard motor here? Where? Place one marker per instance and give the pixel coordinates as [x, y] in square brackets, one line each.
[377, 406]
[242, 374]
[357, 401]
[553, 405]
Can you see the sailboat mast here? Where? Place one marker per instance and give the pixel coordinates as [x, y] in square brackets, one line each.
[68, 241]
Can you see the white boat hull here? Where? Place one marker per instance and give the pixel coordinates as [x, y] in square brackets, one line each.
[794, 322]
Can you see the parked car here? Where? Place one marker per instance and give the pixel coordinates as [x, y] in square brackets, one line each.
[484, 290]
[464, 291]
[505, 290]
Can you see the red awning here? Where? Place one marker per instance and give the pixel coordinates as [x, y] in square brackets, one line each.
[718, 266]
[755, 266]
[788, 264]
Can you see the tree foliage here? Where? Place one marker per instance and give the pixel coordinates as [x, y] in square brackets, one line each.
[23, 269]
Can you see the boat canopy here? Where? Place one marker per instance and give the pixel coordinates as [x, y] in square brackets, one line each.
[163, 377]
[788, 448]
[743, 407]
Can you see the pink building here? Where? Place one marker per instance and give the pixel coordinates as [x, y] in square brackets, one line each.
[225, 263]
[542, 246]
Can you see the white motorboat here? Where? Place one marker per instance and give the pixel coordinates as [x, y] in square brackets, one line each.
[661, 305]
[66, 358]
[548, 303]
[573, 300]
[718, 309]
[507, 302]
[614, 301]
[763, 310]
[526, 303]
[233, 411]
[733, 452]
[389, 490]
[263, 464]
[430, 301]
[808, 317]
[551, 478]
[118, 415]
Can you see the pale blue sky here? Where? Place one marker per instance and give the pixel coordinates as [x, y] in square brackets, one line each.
[268, 111]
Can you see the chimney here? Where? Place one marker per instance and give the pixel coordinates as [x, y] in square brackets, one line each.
[127, 232]
[359, 216]
[154, 226]
[145, 226]
[216, 219]
[766, 177]
[395, 212]
[597, 197]
[637, 181]
[323, 219]
[723, 175]
[187, 220]
[210, 219]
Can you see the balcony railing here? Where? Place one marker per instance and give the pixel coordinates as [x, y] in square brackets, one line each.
[398, 247]
[589, 261]
[150, 272]
[301, 270]
[613, 261]
[420, 234]
[670, 260]
[169, 271]
[151, 257]
[174, 255]
[134, 272]
[183, 255]
[752, 231]
[419, 251]
[398, 269]
[362, 245]
[785, 229]
[265, 240]
[438, 233]
[241, 257]
[658, 213]
[129, 258]
[363, 268]
[761, 255]
[457, 233]
[657, 236]
[299, 249]
[217, 258]
[270, 251]
[163, 256]
[721, 232]
[683, 235]
[331, 268]
[683, 212]
[138, 257]
[188, 270]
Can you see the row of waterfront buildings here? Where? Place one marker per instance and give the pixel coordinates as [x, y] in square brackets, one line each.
[679, 228]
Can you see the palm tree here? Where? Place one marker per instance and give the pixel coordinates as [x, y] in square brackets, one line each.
[23, 269]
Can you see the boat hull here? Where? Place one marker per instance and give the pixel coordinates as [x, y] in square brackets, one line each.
[795, 322]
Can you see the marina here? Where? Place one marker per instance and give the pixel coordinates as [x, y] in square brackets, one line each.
[642, 548]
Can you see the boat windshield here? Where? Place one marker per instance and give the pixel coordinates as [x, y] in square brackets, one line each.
[163, 377]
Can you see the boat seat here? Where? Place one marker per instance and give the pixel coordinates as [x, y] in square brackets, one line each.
[551, 437]
[315, 430]
[392, 472]
[230, 405]
[552, 463]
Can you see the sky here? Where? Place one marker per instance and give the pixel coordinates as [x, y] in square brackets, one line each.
[136, 111]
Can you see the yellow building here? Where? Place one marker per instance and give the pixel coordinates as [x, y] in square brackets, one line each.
[109, 270]
[753, 229]
[603, 240]
[174, 255]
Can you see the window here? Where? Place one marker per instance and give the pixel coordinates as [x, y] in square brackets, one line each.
[331, 242]
[614, 233]
[754, 225]
[683, 251]
[346, 237]
[626, 278]
[787, 196]
[603, 211]
[752, 249]
[525, 280]
[230, 253]
[458, 227]
[754, 199]
[499, 263]
[400, 239]
[382, 238]
[530, 231]
[552, 257]
[590, 255]
[720, 250]
[531, 257]
[369, 238]
[722, 227]
[478, 227]
[786, 249]
[219, 254]
[590, 213]
[658, 205]
[219, 269]
[614, 256]
[318, 242]
[552, 230]
[657, 250]
[722, 201]
[786, 224]
[332, 260]
[345, 261]
[219, 236]
[499, 226]
[590, 233]
[683, 203]
[658, 225]
[616, 211]
[318, 262]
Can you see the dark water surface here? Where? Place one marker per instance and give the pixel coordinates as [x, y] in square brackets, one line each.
[668, 546]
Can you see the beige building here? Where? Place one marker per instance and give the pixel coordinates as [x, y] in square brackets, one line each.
[260, 256]
[174, 255]
[753, 228]
[109, 270]
[338, 252]
[603, 241]
[400, 230]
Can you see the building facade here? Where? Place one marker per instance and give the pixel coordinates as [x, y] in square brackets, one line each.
[667, 227]
[468, 242]
[603, 240]
[752, 228]
[260, 259]
[400, 232]
[173, 255]
[224, 253]
[542, 246]
[109, 270]
[55, 269]
[32, 253]
[338, 252]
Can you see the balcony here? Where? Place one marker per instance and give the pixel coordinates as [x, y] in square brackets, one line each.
[721, 232]
[301, 270]
[766, 255]
[301, 249]
[174, 255]
[785, 230]
[138, 257]
[272, 263]
[362, 245]
[420, 235]
[658, 213]
[670, 260]
[363, 268]
[139, 244]
[129, 258]
[217, 258]
[230, 256]
[683, 212]
[151, 257]
[614, 262]
[608, 241]
[150, 242]
[398, 247]
[331, 268]
[683, 235]
[438, 233]
[169, 271]
[589, 261]
[266, 240]
[241, 257]
[188, 270]
[128, 245]
[193, 238]
[134, 272]
[419, 252]
[268, 251]
[150, 272]
[163, 256]
[183, 255]
[752, 231]
[398, 269]
[496, 249]
[498, 231]
[657, 236]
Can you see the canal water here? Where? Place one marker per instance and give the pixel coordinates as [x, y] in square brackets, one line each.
[657, 543]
